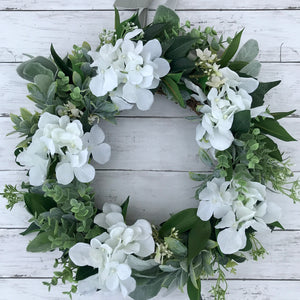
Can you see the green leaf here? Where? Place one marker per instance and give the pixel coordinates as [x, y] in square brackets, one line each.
[166, 15]
[193, 293]
[77, 79]
[280, 115]
[173, 88]
[197, 176]
[180, 47]
[259, 94]
[276, 224]
[237, 65]
[31, 228]
[124, 207]
[25, 114]
[241, 122]
[182, 64]
[252, 69]
[175, 76]
[60, 63]
[182, 221]
[117, 19]
[41, 64]
[85, 272]
[37, 203]
[231, 49]
[198, 238]
[236, 258]
[41, 243]
[248, 51]
[271, 145]
[43, 82]
[176, 246]
[154, 30]
[273, 128]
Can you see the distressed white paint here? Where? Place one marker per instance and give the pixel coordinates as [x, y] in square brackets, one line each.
[163, 144]
[182, 4]
[32, 32]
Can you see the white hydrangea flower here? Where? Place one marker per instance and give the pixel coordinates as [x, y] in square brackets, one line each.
[216, 199]
[114, 274]
[93, 141]
[59, 136]
[255, 211]
[128, 71]
[74, 165]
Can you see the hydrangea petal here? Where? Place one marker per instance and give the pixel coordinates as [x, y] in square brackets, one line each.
[163, 67]
[64, 173]
[145, 99]
[101, 153]
[153, 47]
[205, 210]
[96, 136]
[123, 271]
[79, 254]
[229, 241]
[85, 173]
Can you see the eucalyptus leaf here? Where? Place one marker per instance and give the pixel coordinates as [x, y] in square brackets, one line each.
[41, 243]
[166, 15]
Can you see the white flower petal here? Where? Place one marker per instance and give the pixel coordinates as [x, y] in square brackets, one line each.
[46, 119]
[273, 213]
[227, 221]
[96, 85]
[88, 285]
[132, 34]
[123, 271]
[127, 286]
[221, 140]
[111, 207]
[205, 210]
[248, 84]
[97, 135]
[80, 254]
[229, 241]
[86, 173]
[145, 99]
[113, 218]
[101, 153]
[153, 47]
[121, 103]
[147, 247]
[64, 173]
[163, 67]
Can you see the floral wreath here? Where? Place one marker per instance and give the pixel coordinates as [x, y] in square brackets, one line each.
[196, 68]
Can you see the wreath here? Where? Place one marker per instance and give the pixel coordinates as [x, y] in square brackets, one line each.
[100, 251]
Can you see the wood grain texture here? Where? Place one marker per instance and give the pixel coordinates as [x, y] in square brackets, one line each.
[64, 29]
[150, 144]
[152, 151]
[237, 289]
[154, 196]
[183, 4]
[19, 263]
[14, 92]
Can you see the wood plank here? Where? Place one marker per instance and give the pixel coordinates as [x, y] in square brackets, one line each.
[32, 289]
[14, 92]
[46, 27]
[183, 4]
[154, 196]
[150, 144]
[281, 263]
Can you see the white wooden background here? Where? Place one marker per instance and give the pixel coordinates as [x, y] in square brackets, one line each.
[152, 151]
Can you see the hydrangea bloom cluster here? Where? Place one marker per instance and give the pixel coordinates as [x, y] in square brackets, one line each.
[233, 96]
[65, 139]
[128, 71]
[238, 208]
[111, 252]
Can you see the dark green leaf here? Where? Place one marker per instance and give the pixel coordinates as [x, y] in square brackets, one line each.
[166, 15]
[124, 207]
[276, 224]
[193, 293]
[273, 128]
[182, 64]
[236, 258]
[31, 228]
[241, 122]
[41, 243]
[37, 203]
[173, 88]
[154, 30]
[175, 76]
[198, 237]
[182, 221]
[60, 63]
[85, 272]
[180, 47]
[259, 94]
[280, 115]
[271, 145]
[231, 49]
[117, 19]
